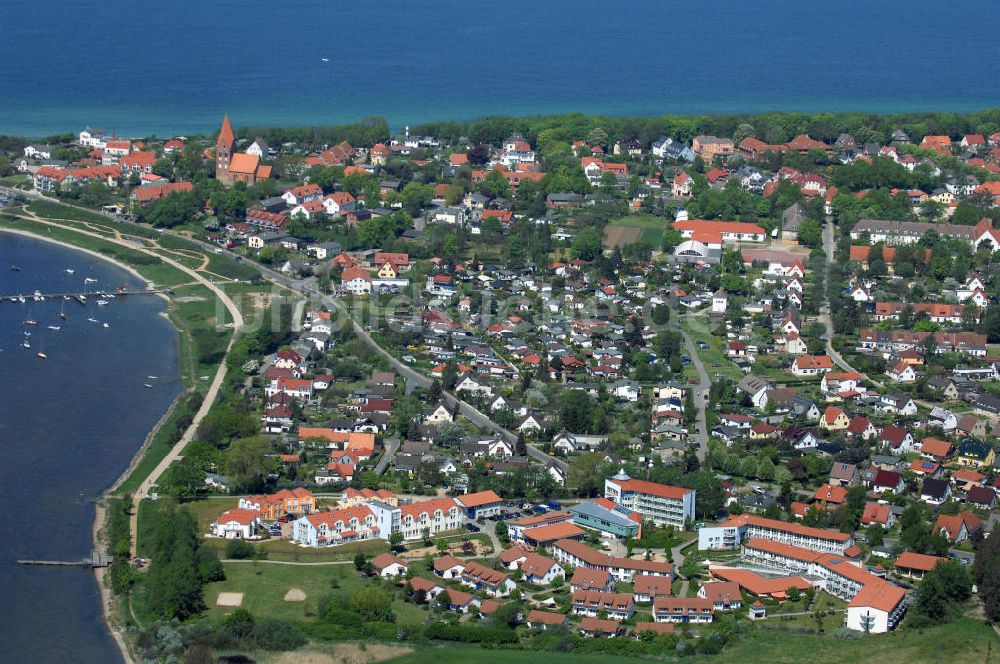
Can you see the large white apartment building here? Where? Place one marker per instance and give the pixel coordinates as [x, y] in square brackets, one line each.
[731, 533]
[874, 605]
[662, 504]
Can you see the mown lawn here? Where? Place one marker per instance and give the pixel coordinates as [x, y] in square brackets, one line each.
[652, 227]
[264, 586]
[713, 357]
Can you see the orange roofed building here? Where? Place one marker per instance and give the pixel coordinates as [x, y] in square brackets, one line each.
[717, 232]
[232, 167]
[662, 504]
[277, 505]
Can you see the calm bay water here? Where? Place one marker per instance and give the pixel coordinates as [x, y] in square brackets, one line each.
[68, 427]
[176, 67]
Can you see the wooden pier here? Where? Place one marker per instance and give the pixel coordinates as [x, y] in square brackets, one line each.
[96, 559]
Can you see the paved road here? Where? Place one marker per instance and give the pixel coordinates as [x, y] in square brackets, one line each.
[700, 397]
[391, 447]
[829, 248]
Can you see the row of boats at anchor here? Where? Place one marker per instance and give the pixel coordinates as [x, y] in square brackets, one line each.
[26, 343]
[102, 298]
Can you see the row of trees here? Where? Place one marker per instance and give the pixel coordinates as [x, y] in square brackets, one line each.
[181, 564]
[772, 127]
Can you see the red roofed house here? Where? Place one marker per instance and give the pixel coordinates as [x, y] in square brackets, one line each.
[617, 606]
[389, 566]
[544, 619]
[143, 196]
[237, 524]
[940, 144]
[592, 627]
[915, 565]
[831, 495]
[137, 162]
[339, 203]
[646, 588]
[724, 595]
[586, 578]
[880, 513]
[379, 154]
[834, 419]
[888, 480]
[357, 281]
[682, 610]
[811, 365]
[302, 194]
[957, 527]
[935, 449]
[338, 526]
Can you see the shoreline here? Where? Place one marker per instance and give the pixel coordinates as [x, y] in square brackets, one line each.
[96, 254]
[100, 505]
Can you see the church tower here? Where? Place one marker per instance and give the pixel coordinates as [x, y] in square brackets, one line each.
[224, 151]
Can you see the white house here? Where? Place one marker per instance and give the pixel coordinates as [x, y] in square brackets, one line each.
[876, 609]
[470, 384]
[357, 281]
[438, 415]
[626, 389]
[901, 372]
[389, 566]
[237, 524]
[719, 302]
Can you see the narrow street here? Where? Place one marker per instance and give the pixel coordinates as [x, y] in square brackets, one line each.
[700, 398]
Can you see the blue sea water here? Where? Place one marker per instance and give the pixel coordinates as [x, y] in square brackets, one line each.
[176, 67]
[69, 426]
